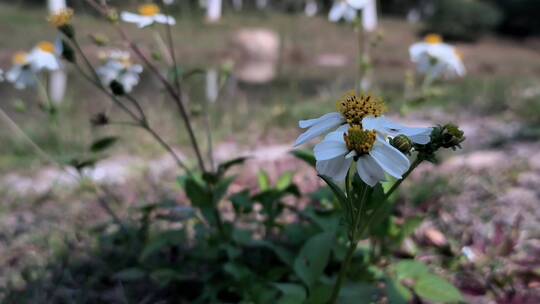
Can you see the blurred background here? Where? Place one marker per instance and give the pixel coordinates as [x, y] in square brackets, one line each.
[264, 65]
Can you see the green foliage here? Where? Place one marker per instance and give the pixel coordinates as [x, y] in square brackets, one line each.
[462, 19]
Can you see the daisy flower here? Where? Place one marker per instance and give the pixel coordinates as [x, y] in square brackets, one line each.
[373, 155]
[21, 73]
[148, 15]
[45, 56]
[118, 66]
[346, 9]
[435, 58]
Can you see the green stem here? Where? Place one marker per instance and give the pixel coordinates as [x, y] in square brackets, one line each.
[343, 271]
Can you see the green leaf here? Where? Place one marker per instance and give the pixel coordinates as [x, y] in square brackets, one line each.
[284, 181]
[130, 274]
[358, 293]
[223, 167]
[221, 189]
[197, 193]
[410, 269]
[160, 241]
[396, 292]
[292, 293]
[164, 276]
[103, 143]
[264, 180]
[434, 288]
[310, 263]
[340, 195]
[283, 254]
[306, 156]
[241, 202]
[410, 226]
[320, 294]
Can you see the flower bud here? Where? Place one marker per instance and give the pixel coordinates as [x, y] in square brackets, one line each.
[117, 88]
[112, 16]
[451, 136]
[99, 39]
[402, 143]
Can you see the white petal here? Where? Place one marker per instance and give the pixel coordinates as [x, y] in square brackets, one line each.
[131, 17]
[389, 158]
[337, 11]
[358, 4]
[350, 14]
[311, 122]
[160, 18]
[145, 22]
[319, 128]
[337, 135]
[336, 168]
[369, 170]
[387, 127]
[330, 149]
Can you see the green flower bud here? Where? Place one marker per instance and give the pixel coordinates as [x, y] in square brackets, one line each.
[99, 39]
[402, 143]
[451, 136]
[117, 88]
[112, 16]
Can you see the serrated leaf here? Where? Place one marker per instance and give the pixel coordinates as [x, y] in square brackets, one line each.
[434, 288]
[309, 264]
[306, 156]
[103, 144]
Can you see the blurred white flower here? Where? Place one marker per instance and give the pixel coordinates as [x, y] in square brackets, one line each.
[45, 56]
[374, 156]
[2, 75]
[21, 73]
[148, 15]
[168, 2]
[437, 59]
[346, 9]
[118, 66]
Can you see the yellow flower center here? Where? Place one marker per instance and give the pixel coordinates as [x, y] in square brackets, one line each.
[359, 140]
[61, 18]
[354, 108]
[20, 58]
[149, 10]
[433, 39]
[46, 46]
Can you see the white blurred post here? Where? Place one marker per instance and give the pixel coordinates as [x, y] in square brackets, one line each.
[213, 10]
[369, 16]
[261, 4]
[57, 79]
[237, 5]
[212, 85]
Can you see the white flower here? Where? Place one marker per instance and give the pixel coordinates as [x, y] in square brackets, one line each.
[346, 9]
[2, 78]
[45, 56]
[119, 67]
[21, 73]
[351, 109]
[148, 15]
[437, 59]
[373, 155]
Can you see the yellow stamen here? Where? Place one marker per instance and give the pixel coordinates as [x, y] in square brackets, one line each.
[433, 39]
[61, 18]
[46, 46]
[359, 140]
[20, 58]
[354, 108]
[149, 10]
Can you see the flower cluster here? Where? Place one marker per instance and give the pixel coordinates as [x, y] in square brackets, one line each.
[120, 70]
[437, 59]
[62, 21]
[362, 135]
[45, 56]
